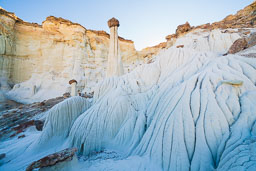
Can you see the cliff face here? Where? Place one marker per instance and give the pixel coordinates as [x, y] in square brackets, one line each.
[98, 41]
[47, 56]
[41, 49]
[64, 49]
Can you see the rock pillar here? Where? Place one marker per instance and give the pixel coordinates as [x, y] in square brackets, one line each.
[73, 87]
[114, 65]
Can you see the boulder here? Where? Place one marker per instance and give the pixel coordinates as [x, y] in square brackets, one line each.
[183, 28]
[243, 43]
[53, 159]
[238, 45]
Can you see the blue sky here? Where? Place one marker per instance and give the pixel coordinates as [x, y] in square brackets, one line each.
[146, 22]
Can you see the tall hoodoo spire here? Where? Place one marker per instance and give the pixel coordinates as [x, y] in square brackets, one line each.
[115, 66]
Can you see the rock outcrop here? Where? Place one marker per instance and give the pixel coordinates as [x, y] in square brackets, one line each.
[243, 43]
[150, 51]
[59, 47]
[154, 50]
[54, 159]
[190, 109]
[15, 121]
[238, 45]
[245, 18]
[184, 28]
[60, 50]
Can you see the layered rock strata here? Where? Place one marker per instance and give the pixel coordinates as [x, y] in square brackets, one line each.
[59, 49]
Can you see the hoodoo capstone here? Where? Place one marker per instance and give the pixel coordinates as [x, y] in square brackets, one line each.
[115, 65]
[113, 22]
[73, 84]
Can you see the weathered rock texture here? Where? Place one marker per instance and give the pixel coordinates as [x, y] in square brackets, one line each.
[15, 121]
[53, 159]
[64, 49]
[181, 29]
[150, 51]
[245, 18]
[238, 45]
[243, 43]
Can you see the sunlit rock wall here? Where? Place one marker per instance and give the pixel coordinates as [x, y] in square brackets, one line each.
[58, 48]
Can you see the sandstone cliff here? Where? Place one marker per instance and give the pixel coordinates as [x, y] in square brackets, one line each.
[51, 54]
[57, 49]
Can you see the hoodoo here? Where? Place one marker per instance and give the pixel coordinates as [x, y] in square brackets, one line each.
[73, 87]
[115, 65]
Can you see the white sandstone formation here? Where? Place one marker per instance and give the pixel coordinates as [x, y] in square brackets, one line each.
[67, 111]
[206, 40]
[73, 84]
[51, 54]
[194, 112]
[114, 65]
[191, 108]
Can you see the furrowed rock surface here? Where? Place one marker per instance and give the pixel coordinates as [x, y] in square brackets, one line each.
[194, 112]
[189, 108]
